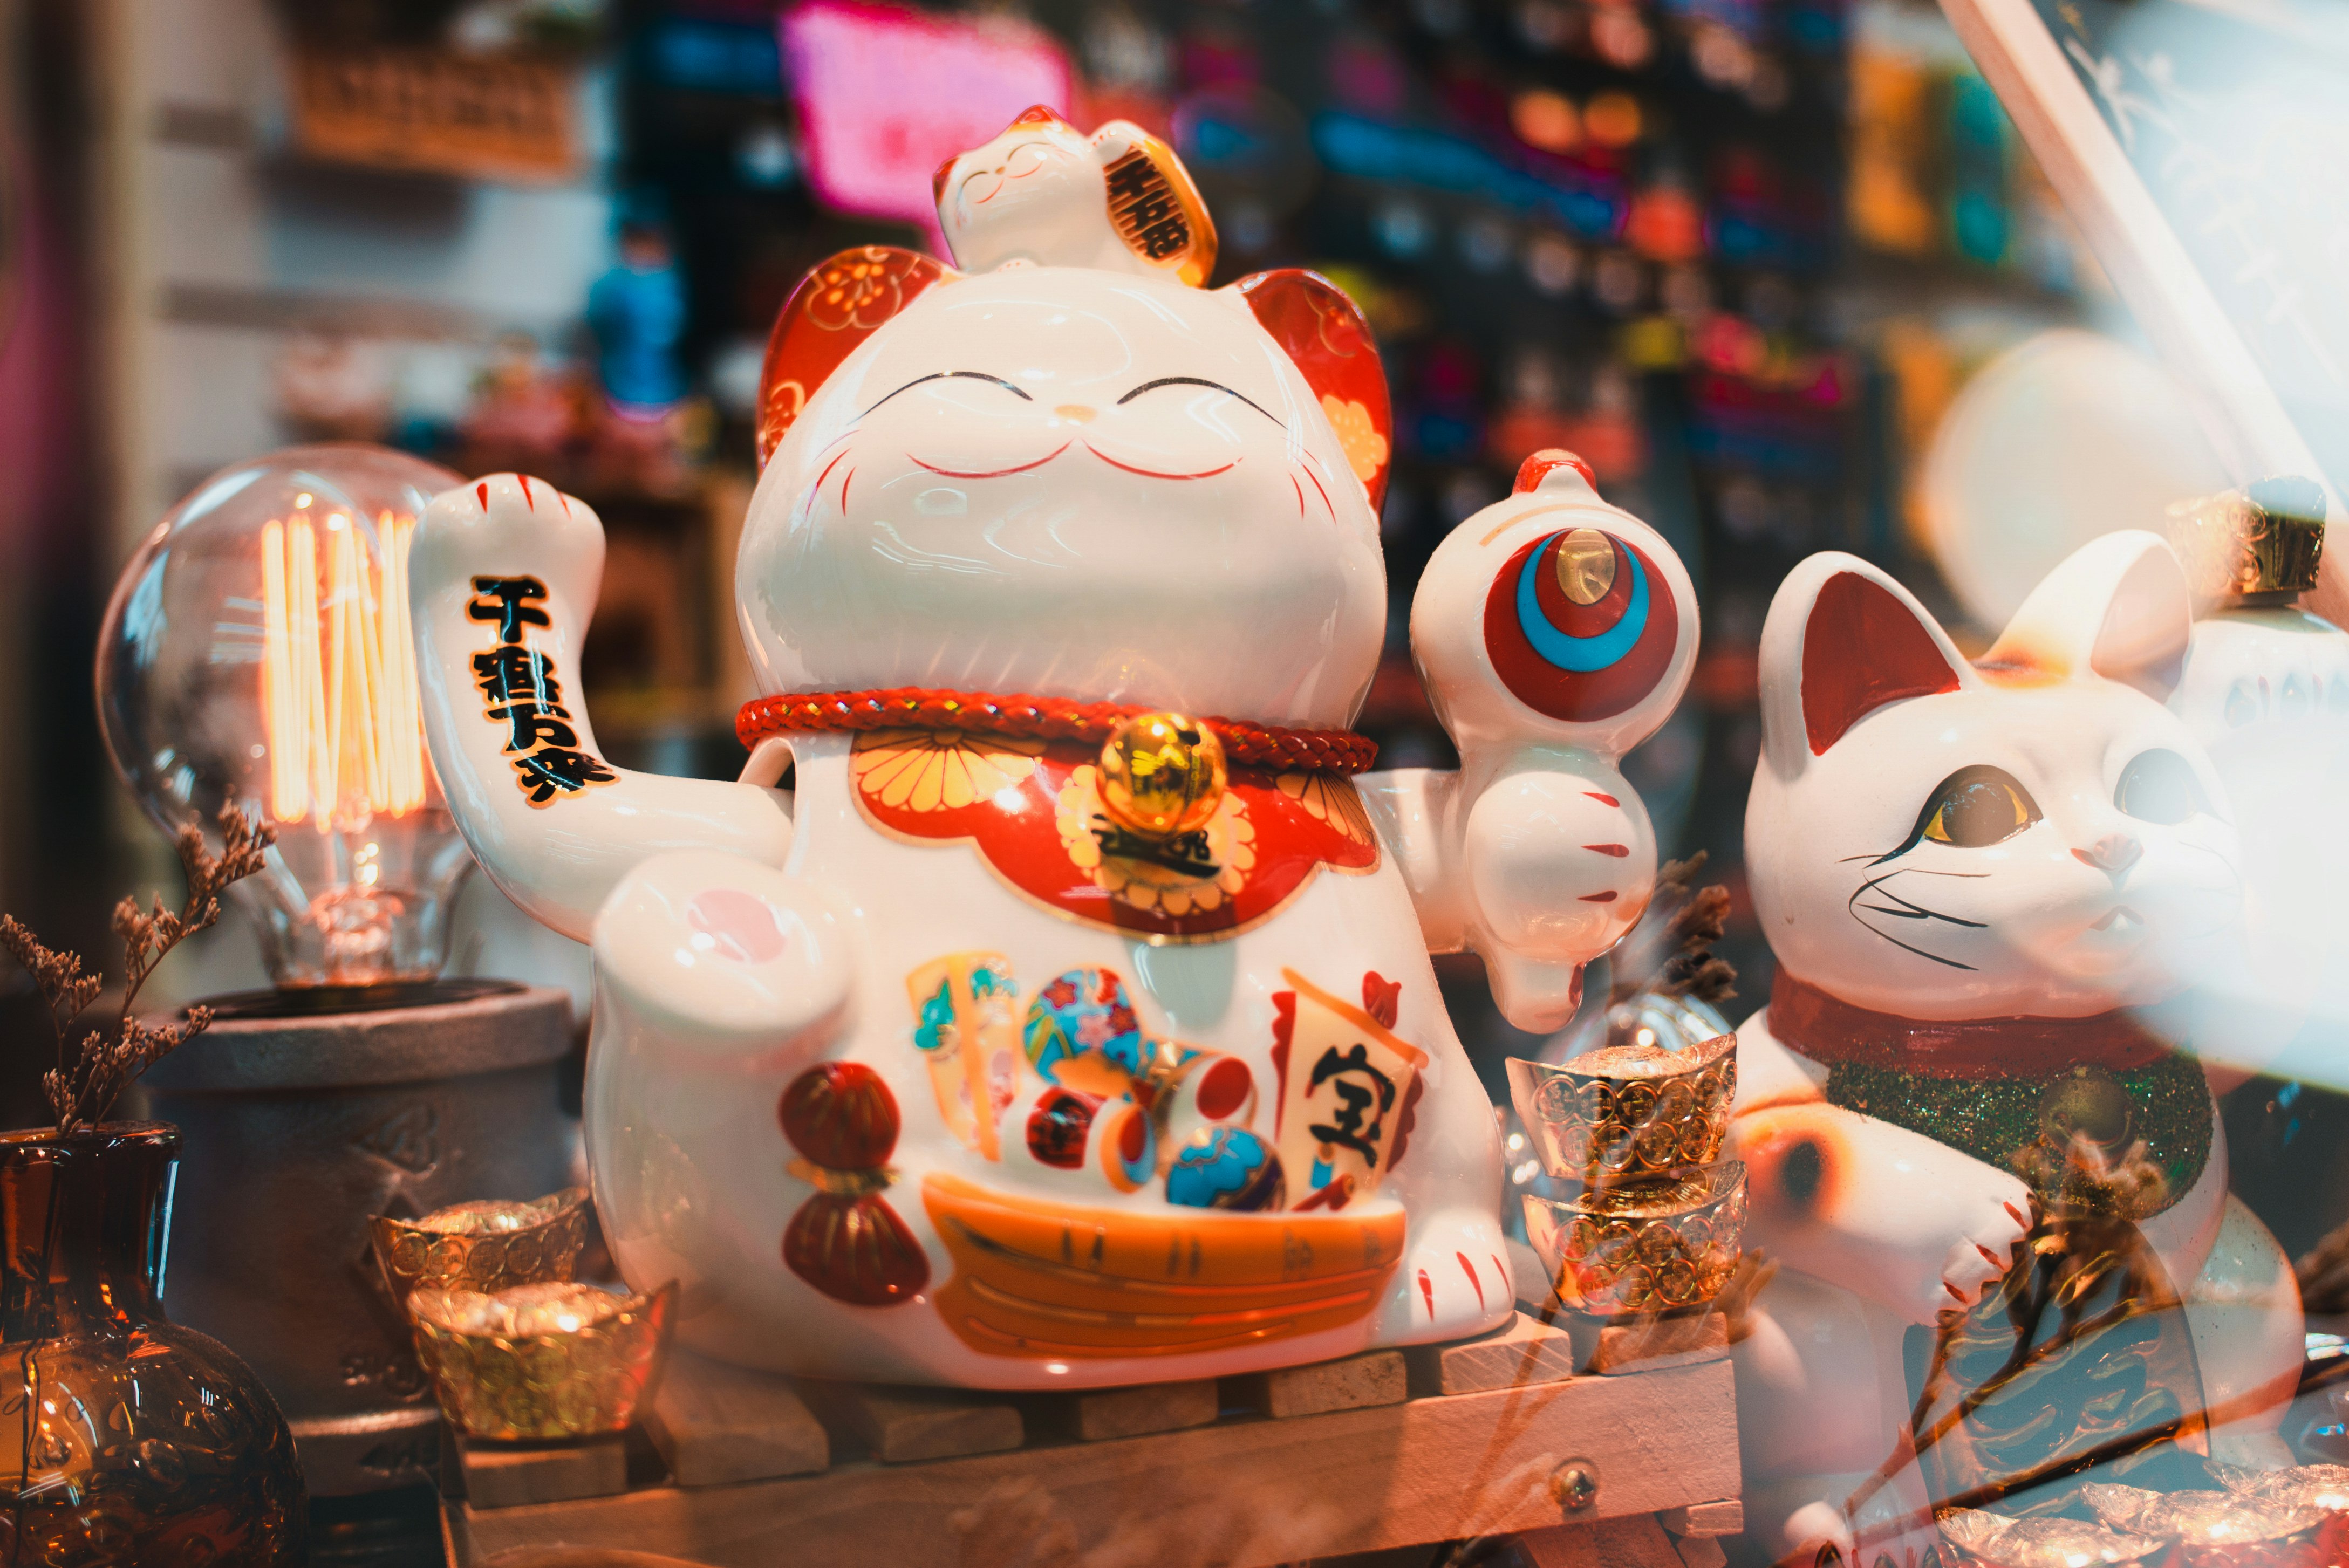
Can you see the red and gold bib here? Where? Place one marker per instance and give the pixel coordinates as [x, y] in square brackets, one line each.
[1032, 808]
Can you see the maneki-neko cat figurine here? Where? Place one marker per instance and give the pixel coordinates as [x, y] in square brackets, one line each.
[1068, 1019]
[1994, 1181]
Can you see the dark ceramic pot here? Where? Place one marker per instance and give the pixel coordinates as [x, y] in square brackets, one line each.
[127, 1439]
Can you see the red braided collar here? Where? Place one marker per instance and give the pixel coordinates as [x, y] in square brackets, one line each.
[1827, 1030]
[1246, 745]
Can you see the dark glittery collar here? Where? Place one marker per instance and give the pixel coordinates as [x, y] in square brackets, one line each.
[1827, 1030]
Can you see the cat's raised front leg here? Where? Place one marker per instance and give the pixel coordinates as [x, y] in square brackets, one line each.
[503, 578]
[1886, 1213]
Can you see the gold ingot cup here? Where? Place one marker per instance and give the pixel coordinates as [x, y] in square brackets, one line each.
[1628, 1112]
[1655, 1248]
[1161, 774]
[487, 1245]
[541, 1361]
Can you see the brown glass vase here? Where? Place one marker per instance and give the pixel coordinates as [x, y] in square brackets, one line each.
[127, 1439]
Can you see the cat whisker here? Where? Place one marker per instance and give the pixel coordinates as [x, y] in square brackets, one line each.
[1907, 912]
[1909, 870]
[1909, 908]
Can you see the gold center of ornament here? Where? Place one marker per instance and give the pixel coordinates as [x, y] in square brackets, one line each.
[1586, 566]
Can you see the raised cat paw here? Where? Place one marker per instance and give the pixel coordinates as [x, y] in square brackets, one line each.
[503, 524]
[1560, 864]
[1887, 1213]
[1995, 1224]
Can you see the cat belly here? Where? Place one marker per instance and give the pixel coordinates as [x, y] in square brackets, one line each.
[690, 1159]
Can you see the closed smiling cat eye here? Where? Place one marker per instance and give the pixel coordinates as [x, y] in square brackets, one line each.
[1975, 807]
[2159, 786]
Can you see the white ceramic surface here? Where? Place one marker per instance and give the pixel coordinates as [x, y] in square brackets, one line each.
[1536, 854]
[2266, 691]
[1007, 503]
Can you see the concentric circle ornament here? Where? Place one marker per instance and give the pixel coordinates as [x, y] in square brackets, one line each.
[1580, 625]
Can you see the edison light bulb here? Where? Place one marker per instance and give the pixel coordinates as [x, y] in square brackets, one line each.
[257, 653]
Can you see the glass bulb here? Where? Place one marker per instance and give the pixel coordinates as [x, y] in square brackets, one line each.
[257, 653]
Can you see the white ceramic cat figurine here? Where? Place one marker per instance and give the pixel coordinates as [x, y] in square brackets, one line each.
[959, 1061]
[1969, 873]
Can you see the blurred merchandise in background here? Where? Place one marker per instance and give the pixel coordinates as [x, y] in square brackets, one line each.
[1742, 254]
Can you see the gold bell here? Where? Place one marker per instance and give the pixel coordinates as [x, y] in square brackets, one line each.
[2239, 544]
[1161, 774]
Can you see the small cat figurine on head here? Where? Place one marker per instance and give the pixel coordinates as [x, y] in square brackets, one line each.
[1976, 878]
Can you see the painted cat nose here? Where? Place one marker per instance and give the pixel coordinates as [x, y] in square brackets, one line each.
[2112, 853]
[1075, 411]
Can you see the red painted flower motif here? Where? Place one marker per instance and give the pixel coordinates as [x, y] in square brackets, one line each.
[837, 307]
[862, 288]
[1030, 834]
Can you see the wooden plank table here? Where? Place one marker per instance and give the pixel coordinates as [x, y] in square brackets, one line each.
[1637, 1467]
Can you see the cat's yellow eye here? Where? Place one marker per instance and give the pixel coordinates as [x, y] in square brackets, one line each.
[1977, 807]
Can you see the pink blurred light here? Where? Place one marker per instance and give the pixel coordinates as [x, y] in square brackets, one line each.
[887, 95]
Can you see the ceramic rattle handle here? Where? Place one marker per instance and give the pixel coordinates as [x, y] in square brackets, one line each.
[1553, 633]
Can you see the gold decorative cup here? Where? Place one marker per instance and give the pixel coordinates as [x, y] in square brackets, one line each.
[1629, 1112]
[1660, 1246]
[543, 1361]
[487, 1245]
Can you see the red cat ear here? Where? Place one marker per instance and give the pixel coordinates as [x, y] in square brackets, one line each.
[1841, 641]
[1324, 333]
[836, 307]
[1862, 648]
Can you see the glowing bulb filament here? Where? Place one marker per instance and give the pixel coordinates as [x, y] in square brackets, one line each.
[339, 691]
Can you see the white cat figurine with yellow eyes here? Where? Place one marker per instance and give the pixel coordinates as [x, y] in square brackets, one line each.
[1067, 1019]
[1976, 877]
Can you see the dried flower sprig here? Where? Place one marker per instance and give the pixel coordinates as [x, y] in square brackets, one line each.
[85, 1090]
[1671, 951]
[1694, 969]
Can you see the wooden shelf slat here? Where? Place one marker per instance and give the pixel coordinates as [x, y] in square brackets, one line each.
[1348, 1382]
[715, 1425]
[1241, 1490]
